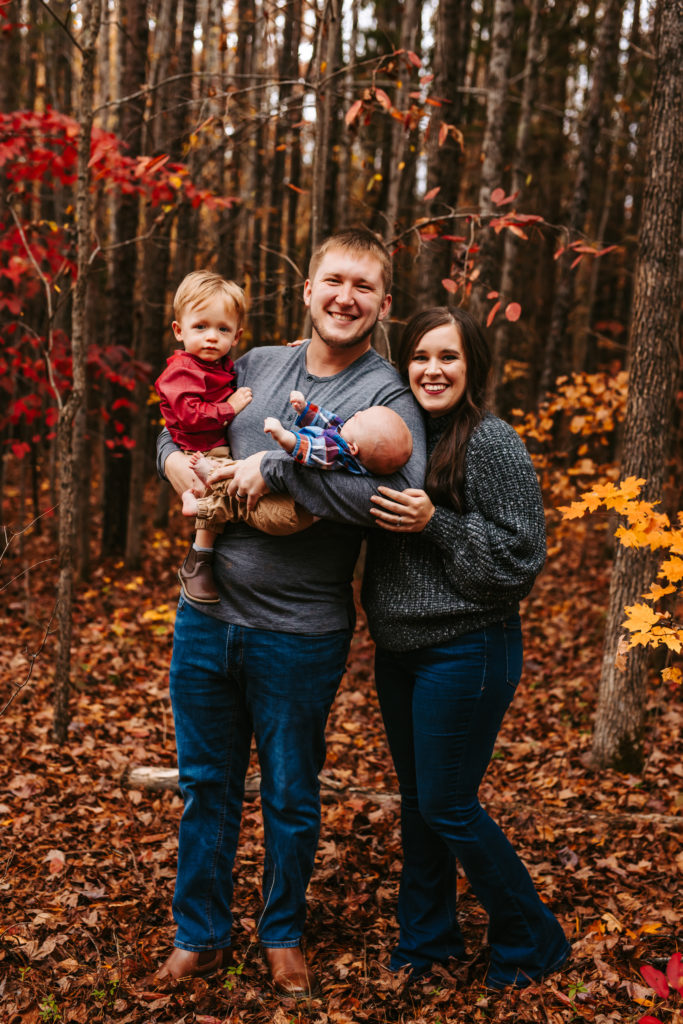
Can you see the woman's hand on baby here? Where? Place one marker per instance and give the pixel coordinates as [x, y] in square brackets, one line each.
[239, 399]
[406, 511]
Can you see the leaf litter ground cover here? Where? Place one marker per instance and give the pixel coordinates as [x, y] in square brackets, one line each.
[88, 863]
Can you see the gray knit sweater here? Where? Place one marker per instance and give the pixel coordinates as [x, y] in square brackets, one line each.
[466, 570]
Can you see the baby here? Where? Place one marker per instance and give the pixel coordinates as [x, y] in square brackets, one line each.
[374, 440]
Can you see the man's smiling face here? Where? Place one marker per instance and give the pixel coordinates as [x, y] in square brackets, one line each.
[346, 298]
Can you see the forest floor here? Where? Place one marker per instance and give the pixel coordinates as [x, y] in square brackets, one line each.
[87, 862]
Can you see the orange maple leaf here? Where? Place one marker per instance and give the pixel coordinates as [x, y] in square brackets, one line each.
[641, 618]
[672, 570]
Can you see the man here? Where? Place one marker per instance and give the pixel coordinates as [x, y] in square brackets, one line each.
[269, 657]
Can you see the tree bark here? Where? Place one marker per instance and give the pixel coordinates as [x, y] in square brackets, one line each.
[122, 281]
[654, 373]
[67, 413]
[558, 346]
[277, 270]
[170, 124]
[493, 153]
[520, 170]
[325, 109]
[452, 35]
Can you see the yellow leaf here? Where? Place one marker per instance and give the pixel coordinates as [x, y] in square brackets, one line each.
[630, 487]
[655, 592]
[672, 570]
[672, 675]
[573, 511]
[641, 618]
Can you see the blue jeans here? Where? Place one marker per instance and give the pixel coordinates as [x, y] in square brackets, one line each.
[226, 683]
[442, 708]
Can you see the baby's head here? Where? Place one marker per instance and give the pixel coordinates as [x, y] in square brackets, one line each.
[208, 313]
[379, 439]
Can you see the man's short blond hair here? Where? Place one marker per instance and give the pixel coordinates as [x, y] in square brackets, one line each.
[359, 241]
[197, 288]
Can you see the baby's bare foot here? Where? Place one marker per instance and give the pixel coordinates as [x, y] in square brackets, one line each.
[202, 467]
[190, 506]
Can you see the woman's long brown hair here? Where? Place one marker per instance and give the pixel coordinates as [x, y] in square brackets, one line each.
[445, 480]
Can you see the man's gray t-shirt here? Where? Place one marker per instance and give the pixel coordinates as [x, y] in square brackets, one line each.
[302, 583]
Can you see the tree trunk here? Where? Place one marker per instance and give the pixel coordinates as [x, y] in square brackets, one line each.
[558, 346]
[452, 35]
[654, 371]
[325, 110]
[512, 245]
[67, 413]
[401, 136]
[276, 266]
[493, 154]
[123, 273]
[176, 101]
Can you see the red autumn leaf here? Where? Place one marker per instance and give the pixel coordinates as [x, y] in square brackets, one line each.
[449, 285]
[497, 196]
[432, 192]
[492, 295]
[443, 133]
[656, 980]
[383, 99]
[353, 111]
[648, 1019]
[295, 188]
[413, 58]
[513, 311]
[674, 972]
[494, 309]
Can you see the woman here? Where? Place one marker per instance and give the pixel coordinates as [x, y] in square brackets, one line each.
[443, 582]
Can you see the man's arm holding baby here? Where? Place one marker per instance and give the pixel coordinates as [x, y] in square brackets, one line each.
[343, 497]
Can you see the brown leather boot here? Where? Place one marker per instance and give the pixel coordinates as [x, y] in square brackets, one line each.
[290, 974]
[196, 577]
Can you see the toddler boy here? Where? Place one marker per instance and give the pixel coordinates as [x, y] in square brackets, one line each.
[198, 400]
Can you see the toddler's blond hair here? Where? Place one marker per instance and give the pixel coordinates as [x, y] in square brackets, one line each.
[197, 288]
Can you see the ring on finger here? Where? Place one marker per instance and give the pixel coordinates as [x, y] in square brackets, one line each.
[241, 497]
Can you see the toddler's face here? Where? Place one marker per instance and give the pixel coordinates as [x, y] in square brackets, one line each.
[209, 331]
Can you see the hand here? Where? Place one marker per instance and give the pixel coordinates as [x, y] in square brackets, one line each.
[271, 425]
[239, 399]
[406, 511]
[181, 476]
[246, 482]
[297, 400]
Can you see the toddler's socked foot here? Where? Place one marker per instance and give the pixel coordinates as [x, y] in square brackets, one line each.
[202, 467]
[190, 505]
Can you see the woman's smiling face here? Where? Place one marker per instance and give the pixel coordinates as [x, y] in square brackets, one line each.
[437, 371]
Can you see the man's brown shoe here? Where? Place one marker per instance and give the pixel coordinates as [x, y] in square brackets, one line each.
[183, 964]
[196, 577]
[289, 974]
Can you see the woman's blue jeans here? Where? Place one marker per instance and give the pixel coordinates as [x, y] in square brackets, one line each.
[442, 708]
[226, 683]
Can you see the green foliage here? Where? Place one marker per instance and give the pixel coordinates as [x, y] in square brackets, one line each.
[49, 1010]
